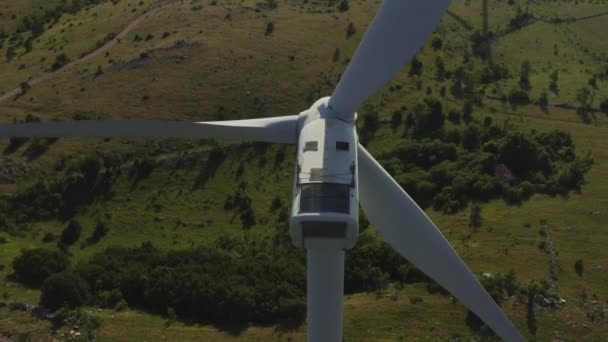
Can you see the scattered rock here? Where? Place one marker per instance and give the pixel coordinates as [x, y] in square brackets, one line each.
[10, 171]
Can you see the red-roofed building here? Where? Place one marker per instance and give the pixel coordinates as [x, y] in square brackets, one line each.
[503, 172]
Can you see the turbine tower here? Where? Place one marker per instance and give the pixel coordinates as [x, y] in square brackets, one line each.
[334, 174]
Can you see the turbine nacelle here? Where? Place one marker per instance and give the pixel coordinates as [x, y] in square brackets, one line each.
[322, 109]
[325, 198]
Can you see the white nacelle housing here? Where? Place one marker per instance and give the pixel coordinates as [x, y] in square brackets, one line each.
[325, 206]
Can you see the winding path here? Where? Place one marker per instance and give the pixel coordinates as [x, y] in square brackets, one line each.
[132, 25]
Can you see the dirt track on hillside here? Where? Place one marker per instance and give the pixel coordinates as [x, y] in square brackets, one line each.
[132, 25]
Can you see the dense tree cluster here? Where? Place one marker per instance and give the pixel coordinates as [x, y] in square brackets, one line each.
[448, 166]
[35, 23]
[84, 178]
[373, 264]
[33, 266]
[234, 279]
[64, 289]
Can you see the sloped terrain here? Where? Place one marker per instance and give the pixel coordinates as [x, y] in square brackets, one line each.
[207, 60]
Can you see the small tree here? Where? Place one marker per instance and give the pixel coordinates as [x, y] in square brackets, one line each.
[579, 267]
[99, 71]
[171, 316]
[60, 61]
[247, 218]
[510, 283]
[276, 204]
[336, 56]
[396, 120]
[524, 76]
[415, 67]
[33, 266]
[543, 101]
[269, 28]
[71, 233]
[65, 289]
[344, 6]
[25, 87]
[28, 45]
[48, 237]
[10, 53]
[350, 30]
[101, 230]
[454, 116]
[584, 97]
[467, 112]
[553, 85]
[440, 65]
[436, 43]
[604, 106]
[475, 217]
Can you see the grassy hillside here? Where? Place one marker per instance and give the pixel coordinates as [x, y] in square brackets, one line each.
[203, 60]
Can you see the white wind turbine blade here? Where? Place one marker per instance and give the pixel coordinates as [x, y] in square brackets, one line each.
[400, 28]
[409, 231]
[282, 129]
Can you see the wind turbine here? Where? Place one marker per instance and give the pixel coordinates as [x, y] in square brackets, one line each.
[335, 174]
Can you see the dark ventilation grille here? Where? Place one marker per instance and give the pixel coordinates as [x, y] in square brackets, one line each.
[331, 230]
[341, 146]
[325, 197]
[316, 174]
[311, 146]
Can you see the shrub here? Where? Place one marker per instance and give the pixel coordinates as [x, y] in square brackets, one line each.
[99, 71]
[350, 30]
[36, 148]
[49, 237]
[578, 267]
[454, 116]
[101, 230]
[524, 76]
[269, 29]
[33, 266]
[604, 106]
[518, 97]
[60, 61]
[65, 289]
[415, 67]
[475, 217]
[14, 143]
[396, 119]
[343, 7]
[543, 101]
[553, 84]
[436, 43]
[336, 56]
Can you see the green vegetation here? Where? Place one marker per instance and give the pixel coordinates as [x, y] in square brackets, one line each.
[447, 167]
[527, 92]
[34, 266]
[578, 267]
[71, 233]
[64, 289]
